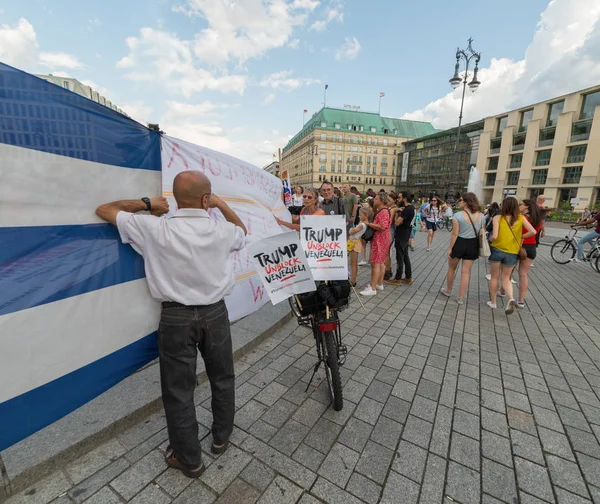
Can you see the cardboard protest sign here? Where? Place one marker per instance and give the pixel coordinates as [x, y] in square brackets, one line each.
[282, 266]
[287, 188]
[323, 239]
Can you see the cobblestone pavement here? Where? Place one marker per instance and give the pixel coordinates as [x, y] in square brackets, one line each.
[443, 403]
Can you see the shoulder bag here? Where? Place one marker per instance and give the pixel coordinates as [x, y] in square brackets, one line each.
[522, 252]
[484, 245]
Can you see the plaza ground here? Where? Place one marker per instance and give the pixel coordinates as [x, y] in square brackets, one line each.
[443, 403]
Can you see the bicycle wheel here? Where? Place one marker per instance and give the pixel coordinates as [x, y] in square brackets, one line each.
[332, 370]
[449, 224]
[597, 266]
[593, 258]
[563, 251]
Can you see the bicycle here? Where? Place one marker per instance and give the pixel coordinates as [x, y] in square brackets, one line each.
[319, 310]
[563, 251]
[444, 222]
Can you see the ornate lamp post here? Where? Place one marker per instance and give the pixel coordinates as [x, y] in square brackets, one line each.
[466, 55]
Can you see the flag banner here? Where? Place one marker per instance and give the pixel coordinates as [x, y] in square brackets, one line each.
[404, 175]
[287, 187]
[323, 239]
[281, 265]
[76, 316]
[254, 194]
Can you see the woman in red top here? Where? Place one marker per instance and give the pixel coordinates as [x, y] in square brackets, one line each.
[533, 214]
[380, 244]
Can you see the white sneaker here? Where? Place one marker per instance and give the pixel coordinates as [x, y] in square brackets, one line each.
[501, 294]
[428, 249]
[363, 263]
[445, 292]
[491, 305]
[368, 291]
[512, 280]
[576, 260]
[379, 287]
[520, 305]
[510, 307]
[488, 277]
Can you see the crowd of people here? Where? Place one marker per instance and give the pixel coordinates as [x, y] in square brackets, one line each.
[380, 224]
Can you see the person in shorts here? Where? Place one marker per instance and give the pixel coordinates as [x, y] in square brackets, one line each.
[532, 213]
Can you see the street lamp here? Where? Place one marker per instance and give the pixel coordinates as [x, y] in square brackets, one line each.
[467, 55]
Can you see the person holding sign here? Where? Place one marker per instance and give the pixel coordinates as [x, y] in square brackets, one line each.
[311, 207]
[187, 258]
[380, 244]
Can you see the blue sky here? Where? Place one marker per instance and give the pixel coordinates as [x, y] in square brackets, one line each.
[236, 75]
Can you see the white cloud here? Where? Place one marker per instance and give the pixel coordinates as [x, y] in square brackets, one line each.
[563, 56]
[270, 98]
[334, 13]
[309, 5]
[348, 50]
[284, 82]
[294, 44]
[139, 111]
[19, 47]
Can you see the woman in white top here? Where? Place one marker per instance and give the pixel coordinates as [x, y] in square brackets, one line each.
[297, 200]
[433, 211]
[355, 237]
[464, 243]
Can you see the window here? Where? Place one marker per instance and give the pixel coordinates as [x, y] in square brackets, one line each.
[540, 176]
[572, 174]
[526, 116]
[66, 85]
[322, 168]
[385, 141]
[323, 124]
[374, 170]
[495, 145]
[368, 170]
[554, 110]
[323, 136]
[375, 150]
[589, 105]
[368, 159]
[580, 131]
[373, 130]
[546, 137]
[354, 169]
[501, 125]
[567, 195]
[513, 178]
[340, 147]
[490, 179]
[543, 158]
[577, 154]
[354, 149]
[384, 151]
[337, 125]
[493, 164]
[374, 160]
[323, 146]
[516, 160]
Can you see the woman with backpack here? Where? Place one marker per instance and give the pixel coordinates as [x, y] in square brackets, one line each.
[464, 244]
[433, 211]
[506, 239]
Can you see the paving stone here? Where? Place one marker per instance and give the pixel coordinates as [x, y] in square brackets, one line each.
[494, 422]
[496, 448]
[410, 461]
[339, 464]
[533, 479]
[462, 484]
[590, 468]
[465, 450]
[368, 410]
[567, 475]
[574, 418]
[404, 390]
[139, 475]
[424, 408]
[379, 391]
[289, 468]
[569, 498]
[308, 499]
[258, 475]
[271, 393]
[396, 409]
[527, 446]
[374, 462]
[356, 434]
[547, 418]
[584, 442]
[152, 494]
[417, 431]
[363, 488]
[279, 413]
[289, 437]
[387, 375]
[322, 436]
[493, 401]
[308, 457]
[218, 476]
[429, 389]
[249, 413]
[92, 484]
[466, 424]
[521, 420]
[94, 460]
[397, 485]
[281, 491]
[555, 443]
[332, 494]
[432, 488]
[499, 481]
[143, 430]
[43, 491]
[309, 412]
[196, 493]
[156, 440]
[173, 482]
[104, 496]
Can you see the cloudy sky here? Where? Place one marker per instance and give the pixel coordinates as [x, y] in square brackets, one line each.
[236, 75]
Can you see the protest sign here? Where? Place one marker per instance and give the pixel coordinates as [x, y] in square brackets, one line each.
[287, 188]
[323, 239]
[282, 267]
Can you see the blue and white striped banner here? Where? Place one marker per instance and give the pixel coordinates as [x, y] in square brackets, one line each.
[76, 315]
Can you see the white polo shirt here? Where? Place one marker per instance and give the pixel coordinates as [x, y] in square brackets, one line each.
[187, 256]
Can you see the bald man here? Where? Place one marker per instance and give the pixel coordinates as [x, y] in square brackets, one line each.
[187, 258]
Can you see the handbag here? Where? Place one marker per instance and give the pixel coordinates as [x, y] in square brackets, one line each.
[522, 252]
[484, 245]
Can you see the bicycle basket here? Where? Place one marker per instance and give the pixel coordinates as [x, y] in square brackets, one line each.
[335, 294]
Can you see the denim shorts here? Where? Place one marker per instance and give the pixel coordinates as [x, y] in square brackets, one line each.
[413, 233]
[503, 258]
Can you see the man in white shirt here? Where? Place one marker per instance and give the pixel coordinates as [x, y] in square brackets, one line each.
[187, 259]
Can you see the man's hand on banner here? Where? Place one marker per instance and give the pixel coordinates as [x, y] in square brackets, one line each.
[160, 206]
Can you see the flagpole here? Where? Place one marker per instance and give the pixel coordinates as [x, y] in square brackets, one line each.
[325, 96]
[379, 111]
[303, 114]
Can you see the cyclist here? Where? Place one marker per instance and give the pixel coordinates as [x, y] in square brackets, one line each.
[591, 236]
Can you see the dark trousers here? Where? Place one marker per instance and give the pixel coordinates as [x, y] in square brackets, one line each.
[402, 259]
[184, 330]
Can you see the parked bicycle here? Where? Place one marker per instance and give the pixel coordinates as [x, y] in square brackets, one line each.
[563, 251]
[319, 310]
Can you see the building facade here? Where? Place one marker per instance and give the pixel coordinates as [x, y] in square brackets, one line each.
[272, 168]
[348, 146]
[426, 163]
[81, 89]
[550, 148]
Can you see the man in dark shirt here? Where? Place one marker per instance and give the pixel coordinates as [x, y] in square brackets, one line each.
[404, 221]
[331, 204]
[588, 238]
